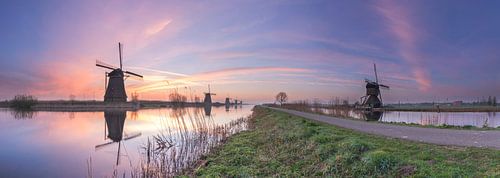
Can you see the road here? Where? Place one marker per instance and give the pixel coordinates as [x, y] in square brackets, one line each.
[467, 138]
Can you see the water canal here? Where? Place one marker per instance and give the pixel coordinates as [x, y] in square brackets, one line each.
[77, 144]
[476, 119]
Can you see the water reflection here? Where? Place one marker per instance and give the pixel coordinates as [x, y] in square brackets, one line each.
[23, 114]
[63, 144]
[114, 123]
[208, 110]
[372, 115]
[476, 119]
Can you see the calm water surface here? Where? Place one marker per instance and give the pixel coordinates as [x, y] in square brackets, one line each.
[76, 144]
[476, 119]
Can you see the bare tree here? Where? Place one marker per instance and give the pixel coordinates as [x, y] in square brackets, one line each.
[281, 98]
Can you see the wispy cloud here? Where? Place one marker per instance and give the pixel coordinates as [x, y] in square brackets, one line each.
[400, 23]
[156, 28]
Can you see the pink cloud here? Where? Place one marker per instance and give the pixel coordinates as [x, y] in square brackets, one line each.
[156, 28]
[406, 32]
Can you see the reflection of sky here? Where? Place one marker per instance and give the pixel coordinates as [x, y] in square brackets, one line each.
[55, 145]
[425, 50]
[477, 119]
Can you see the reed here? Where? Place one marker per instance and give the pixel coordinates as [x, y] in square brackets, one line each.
[179, 145]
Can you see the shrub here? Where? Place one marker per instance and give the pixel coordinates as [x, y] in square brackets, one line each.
[23, 102]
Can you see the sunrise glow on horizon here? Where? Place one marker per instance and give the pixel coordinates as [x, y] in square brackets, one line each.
[251, 50]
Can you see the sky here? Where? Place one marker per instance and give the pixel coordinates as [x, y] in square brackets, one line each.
[424, 50]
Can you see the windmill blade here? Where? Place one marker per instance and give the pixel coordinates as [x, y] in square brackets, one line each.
[104, 65]
[383, 86]
[132, 136]
[98, 65]
[118, 154]
[375, 69]
[134, 74]
[381, 101]
[120, 52]
[103, 145]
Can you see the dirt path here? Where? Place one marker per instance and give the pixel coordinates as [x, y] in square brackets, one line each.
[469, 138]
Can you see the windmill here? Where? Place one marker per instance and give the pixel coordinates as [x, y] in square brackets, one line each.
[114, 123]
[115, 89]
[227, 102]
[208, 97]
[371, 99]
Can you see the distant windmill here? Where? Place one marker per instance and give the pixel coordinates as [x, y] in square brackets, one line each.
[115, 89]
[373, 91]
[208, 97]
[227, 102]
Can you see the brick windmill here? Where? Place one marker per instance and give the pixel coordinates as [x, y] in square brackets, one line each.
[115, 89]
[371, 99]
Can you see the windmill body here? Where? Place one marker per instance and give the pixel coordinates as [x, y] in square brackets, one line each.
[372, 94]
[115, 89]
[208, 97]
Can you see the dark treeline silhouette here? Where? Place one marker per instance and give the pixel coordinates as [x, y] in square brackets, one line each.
[23, 102]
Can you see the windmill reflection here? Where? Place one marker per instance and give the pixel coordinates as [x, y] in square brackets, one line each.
[373, 115]
[114, 124]
[208, 110]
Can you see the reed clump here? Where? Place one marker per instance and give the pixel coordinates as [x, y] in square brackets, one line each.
[185, 138]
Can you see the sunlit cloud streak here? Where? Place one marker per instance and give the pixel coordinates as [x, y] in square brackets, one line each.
[156, 28]
[214, 77]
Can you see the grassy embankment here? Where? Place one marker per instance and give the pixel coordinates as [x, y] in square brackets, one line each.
[281, 144]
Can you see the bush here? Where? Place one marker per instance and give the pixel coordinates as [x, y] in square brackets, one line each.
[23, 102]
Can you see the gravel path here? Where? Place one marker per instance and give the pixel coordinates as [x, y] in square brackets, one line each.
[468, 138]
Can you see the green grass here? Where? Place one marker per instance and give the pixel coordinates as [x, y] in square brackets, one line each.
[283, 145]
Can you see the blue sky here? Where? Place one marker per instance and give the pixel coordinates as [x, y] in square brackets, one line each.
[424, 50]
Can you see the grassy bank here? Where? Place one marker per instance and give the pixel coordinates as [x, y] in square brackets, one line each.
[283, 145]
